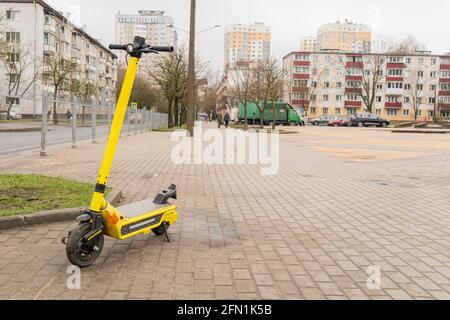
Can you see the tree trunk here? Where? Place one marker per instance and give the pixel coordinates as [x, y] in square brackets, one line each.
[170, 113]
[55, 107]
[8, 113]
[177, 113]
[245, 114]
[261, 115]
[273, 114]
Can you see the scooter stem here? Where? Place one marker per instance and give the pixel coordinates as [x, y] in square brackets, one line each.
[98, 200]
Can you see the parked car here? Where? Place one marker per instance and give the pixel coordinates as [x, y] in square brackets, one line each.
[322, 121]
[348, 121]
[337, 122]
[368, 119]
[12, 115]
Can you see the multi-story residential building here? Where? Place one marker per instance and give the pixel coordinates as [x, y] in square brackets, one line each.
[347, 36]
[35, 32]
[308, 44]
[335, 83]
[249, 43]
[157, 28]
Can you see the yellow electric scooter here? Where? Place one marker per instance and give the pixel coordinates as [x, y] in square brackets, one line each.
[84, 244]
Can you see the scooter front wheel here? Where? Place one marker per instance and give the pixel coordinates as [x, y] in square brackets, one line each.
[83, 254]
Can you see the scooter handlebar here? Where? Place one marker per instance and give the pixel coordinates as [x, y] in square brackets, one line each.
[162, 49]
[117, 47]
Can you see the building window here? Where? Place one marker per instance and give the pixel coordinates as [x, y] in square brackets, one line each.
[378, 112]
[378, 99]
[379, 87]
[337, 111]
[12, 15]
[406, 99]
[420, 74]
[326, 97]
[12, 101]
[392, 112]
[13, 77]
[13, 37]
[338, 98]
[351, 111]
[313, 110]
[432, 100]
[325, 111]
[13, 57]
[406, 113]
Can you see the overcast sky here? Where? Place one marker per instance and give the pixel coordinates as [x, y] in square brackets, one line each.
[290, 20]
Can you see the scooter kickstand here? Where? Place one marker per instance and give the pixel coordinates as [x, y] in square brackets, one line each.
[165, 233]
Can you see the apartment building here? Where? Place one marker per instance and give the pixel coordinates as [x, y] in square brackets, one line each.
[308, 44]
[331, 83]
[34, 31]
[157, 28]
[249, 43]
[347, 36]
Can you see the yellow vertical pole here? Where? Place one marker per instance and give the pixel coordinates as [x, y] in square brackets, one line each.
[98, 201]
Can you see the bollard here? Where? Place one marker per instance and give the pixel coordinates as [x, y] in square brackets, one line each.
[44, 123]
[94, 121]
[74, 121]
[129, 120]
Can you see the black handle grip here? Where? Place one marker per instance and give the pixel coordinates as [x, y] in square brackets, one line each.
[162, 49]
[117, 47]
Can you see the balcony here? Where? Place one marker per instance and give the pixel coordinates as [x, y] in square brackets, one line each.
[444, 93]
[50, 28]
[302, 63]
[49, 49]
[353, 91]
[300, 89]
[445, 66]
[353, 78]
[354, 65]
[444, 80]
[353, 104]
[301, 76]
[393, 105]
[76, 60]
[395, 91]
[394, 79]
[300, 102]
[396, 65]
[444, 106]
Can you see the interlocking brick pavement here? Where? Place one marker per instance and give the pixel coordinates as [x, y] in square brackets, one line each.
[309, 232]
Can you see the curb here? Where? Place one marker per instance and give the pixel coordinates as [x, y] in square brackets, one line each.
[52, 216]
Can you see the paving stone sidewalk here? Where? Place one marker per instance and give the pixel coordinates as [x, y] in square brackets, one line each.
[310, 232]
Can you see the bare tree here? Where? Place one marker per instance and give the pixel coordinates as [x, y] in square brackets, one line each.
[240, 93]
[259, 89]
[414, 88]
[275, 75]
[58, 72]
[371, 71]
[84, 90]
[408, 45]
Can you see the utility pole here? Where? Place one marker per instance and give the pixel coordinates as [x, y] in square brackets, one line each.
[191, 71]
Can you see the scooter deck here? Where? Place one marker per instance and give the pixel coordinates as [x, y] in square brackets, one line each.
[136, 209]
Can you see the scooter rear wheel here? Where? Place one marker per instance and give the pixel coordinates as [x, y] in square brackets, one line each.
[160, 230]
[83, 255]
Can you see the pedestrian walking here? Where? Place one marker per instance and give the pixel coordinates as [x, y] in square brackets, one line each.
[69, 115]
[226, 119]
[219, 119]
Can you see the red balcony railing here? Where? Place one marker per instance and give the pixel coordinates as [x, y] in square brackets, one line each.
[353, 78]
[353, 90]
[445, 66]
[354, 65]
[300, 102]
[301, 76]
[395, 65]
[444, 93]
[352, 104]
[302, 63]
[392, 105]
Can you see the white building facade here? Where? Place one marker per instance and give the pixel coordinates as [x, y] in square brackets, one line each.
[157, 28]
[330, 83]
[38, 31]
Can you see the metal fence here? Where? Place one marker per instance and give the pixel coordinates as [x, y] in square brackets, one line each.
[69, 120]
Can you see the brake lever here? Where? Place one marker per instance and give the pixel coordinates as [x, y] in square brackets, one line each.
[149, 50]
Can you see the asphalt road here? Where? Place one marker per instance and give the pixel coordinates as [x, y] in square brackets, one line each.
[12, 142]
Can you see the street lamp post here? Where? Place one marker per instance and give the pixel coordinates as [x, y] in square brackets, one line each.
[191, 71]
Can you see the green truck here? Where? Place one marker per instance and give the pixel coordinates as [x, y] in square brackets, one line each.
[284, 114]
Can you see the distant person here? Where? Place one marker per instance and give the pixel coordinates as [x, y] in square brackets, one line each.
[49, 115]
[69, 115]
[226, 119]
[219, 119]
